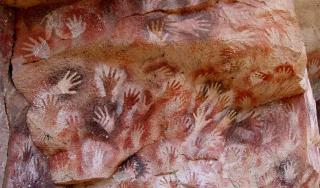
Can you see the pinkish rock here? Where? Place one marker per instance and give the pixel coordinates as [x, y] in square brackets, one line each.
[160, 94]
[307, 14]
[21, 164]
[272, 147]
[258, 61]
[31, 3]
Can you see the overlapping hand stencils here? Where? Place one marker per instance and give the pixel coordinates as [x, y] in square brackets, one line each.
[163, 98]
[55, 23]
[177, 28]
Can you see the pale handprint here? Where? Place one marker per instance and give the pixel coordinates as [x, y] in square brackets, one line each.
[213, 139]
[69, 81]
[240, 39]
[169, 182]
[268, 134]
[200, 118]
[150, 5]
[192, 180]
[223, 101]
[227, 120]
[214, 90]
[97, 159]
[165, 70]
[245, 101]
[313, 67]
[273, 36]
[104, 119]
[291, 143]
[257, 78]
[289, 172]
[232, 154]
[136, 135]
[155, 32]
[76, 26]
[193, 26]
[50, 102]
[176, 104]
[268, 178]
[52, 22]
[37, 48]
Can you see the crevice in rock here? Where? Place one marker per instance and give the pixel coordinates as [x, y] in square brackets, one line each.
[14, 39]
[7, 76]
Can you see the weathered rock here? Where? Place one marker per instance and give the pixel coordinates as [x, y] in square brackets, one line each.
[22, 165]
[6, 40]
[272, 147]
[307, 12]
[31, 3]
[160, 94]
[258, 61]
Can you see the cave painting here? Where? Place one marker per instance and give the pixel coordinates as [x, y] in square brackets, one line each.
[173, 95]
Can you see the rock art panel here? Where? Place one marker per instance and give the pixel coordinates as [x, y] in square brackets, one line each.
[161, 94]
[206, 40]
[21, 163]
[271, 146]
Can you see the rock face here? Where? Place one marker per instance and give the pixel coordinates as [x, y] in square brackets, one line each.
[22, 164]
[160, 94]
[257, 61]
[308, 14]
[6, 27]
[271, 147]
[31, 3]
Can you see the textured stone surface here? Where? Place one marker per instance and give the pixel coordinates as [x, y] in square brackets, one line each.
[31, 3]
[159, 94]
[307, 12]
[6, 40]
[22, 165]
[273, 147]
[258, 61]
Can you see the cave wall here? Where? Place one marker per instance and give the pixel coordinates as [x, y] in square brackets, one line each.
[159, 94]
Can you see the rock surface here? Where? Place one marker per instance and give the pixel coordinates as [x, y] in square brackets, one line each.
[31, 3]
[22, 164]
[6, 40]
[308, 17]
[271, 147]
[159, 94]
[258, 61]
